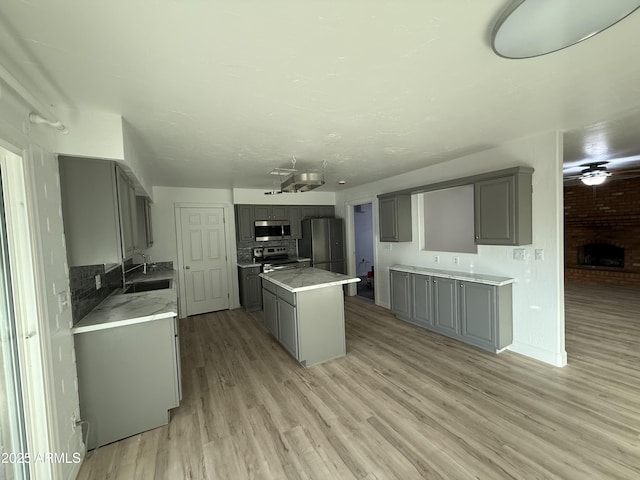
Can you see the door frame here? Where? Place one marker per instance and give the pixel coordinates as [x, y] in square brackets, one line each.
[230, 247]
[350, 234]
[39, 417]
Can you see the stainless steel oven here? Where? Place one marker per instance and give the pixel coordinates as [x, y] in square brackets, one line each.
[265, 230]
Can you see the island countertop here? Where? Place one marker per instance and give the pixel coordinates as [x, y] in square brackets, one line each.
[118, 310]
[306, 278]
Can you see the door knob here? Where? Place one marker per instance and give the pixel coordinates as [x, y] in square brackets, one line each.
[187, 267]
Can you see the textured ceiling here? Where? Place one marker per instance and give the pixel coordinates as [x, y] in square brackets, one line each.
[218, 93]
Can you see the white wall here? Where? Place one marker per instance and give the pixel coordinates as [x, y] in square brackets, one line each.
[538, 303]
[54, 370]
[164, 225]
[91, 134]
[363, 226]
[253, 196]
[103, 135]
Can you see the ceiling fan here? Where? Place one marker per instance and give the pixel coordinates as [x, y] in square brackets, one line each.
[596, 173]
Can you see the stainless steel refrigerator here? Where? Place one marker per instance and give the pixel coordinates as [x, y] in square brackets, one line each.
[323, 242]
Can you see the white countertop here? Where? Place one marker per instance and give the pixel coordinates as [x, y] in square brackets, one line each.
[249, 264]
[119, 309]
[465, 276]
[306, 278]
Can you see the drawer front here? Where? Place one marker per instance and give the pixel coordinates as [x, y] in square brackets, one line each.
[272, 287]
[252, 270]
[287, 296]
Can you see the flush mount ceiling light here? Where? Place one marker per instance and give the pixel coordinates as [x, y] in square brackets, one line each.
[594, 175]
[529, 28]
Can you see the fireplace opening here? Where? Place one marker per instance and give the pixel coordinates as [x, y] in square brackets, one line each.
[601, 255]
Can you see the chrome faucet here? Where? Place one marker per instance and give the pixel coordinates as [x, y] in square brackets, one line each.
[145, 260]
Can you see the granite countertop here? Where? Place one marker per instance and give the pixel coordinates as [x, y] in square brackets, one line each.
[248, 264]
[307, 278]
[120, 309]
[465, 276]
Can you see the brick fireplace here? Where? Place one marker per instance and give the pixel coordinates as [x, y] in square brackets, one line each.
[602, 233]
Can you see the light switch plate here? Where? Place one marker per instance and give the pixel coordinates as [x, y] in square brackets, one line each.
[98, 282]
[539, 254]
[518, 253]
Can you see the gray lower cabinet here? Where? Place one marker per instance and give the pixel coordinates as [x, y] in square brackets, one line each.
[270, 312]
[308, 324]
[400, 295]
[250, 288]
[476, 313]
[485, 315]
[128, 378]
[288, 325]
[422, 311]
[445, 306]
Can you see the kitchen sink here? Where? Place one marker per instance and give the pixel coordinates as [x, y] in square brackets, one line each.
[148, 286]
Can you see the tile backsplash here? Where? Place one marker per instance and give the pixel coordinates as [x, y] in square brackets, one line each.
[82, 283]
[245, 249]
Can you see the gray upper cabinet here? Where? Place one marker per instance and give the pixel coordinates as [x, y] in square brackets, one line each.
[246, 215]
[317, 211]
[326, 211]
[400, 294]
[244, 223]
[395, 218]
[144, 223]
[271, 212]
[503, 210]
[445, 306]
[127, 208]
[99, 211]
[295, 222]
[422, 311]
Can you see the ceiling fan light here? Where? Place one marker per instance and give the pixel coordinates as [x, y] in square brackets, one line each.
[596, 177]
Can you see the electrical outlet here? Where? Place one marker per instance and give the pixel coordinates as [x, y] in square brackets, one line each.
[539, 254]
[436, 258]
[518, 253]
[456, 260]
[98, 282]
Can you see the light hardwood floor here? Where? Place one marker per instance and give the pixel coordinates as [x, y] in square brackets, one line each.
[404, 403]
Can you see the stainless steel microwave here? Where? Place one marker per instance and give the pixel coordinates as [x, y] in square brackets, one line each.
[266, 230]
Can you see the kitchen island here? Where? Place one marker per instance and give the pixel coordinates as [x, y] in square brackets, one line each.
[128, 363]
[304, 310]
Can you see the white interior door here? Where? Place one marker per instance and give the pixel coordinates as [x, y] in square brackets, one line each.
[204, 257]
